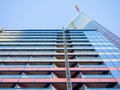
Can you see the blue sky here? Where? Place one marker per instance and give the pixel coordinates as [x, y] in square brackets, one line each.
[54, 14]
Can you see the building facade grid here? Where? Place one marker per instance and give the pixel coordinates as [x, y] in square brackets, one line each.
[36, 60]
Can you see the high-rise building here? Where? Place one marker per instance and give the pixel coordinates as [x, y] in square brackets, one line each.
[81, 56]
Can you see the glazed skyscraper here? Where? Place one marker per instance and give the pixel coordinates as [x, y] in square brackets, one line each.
[82, 56]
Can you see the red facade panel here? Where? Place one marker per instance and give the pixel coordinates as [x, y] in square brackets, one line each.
[58, 80]
[107, 80]
[26, 80]
[10, 80]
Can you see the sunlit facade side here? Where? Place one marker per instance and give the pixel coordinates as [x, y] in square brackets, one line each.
[77, 57]
[105, 42]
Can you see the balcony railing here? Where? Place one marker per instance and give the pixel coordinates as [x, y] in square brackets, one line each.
[97, 76]
[25, 89]
[25, 66]
[102, 89]
[91, 66]
[25, 76]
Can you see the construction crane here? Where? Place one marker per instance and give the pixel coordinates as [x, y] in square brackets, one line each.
[77, 8]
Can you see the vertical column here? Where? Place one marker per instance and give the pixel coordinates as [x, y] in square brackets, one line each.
[68, 75]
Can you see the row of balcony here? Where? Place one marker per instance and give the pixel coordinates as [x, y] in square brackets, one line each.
[33, 64]
[61, 87]
[51, 76]
[43, 37]
[41, 34]
[49, 66]
[53, 89]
